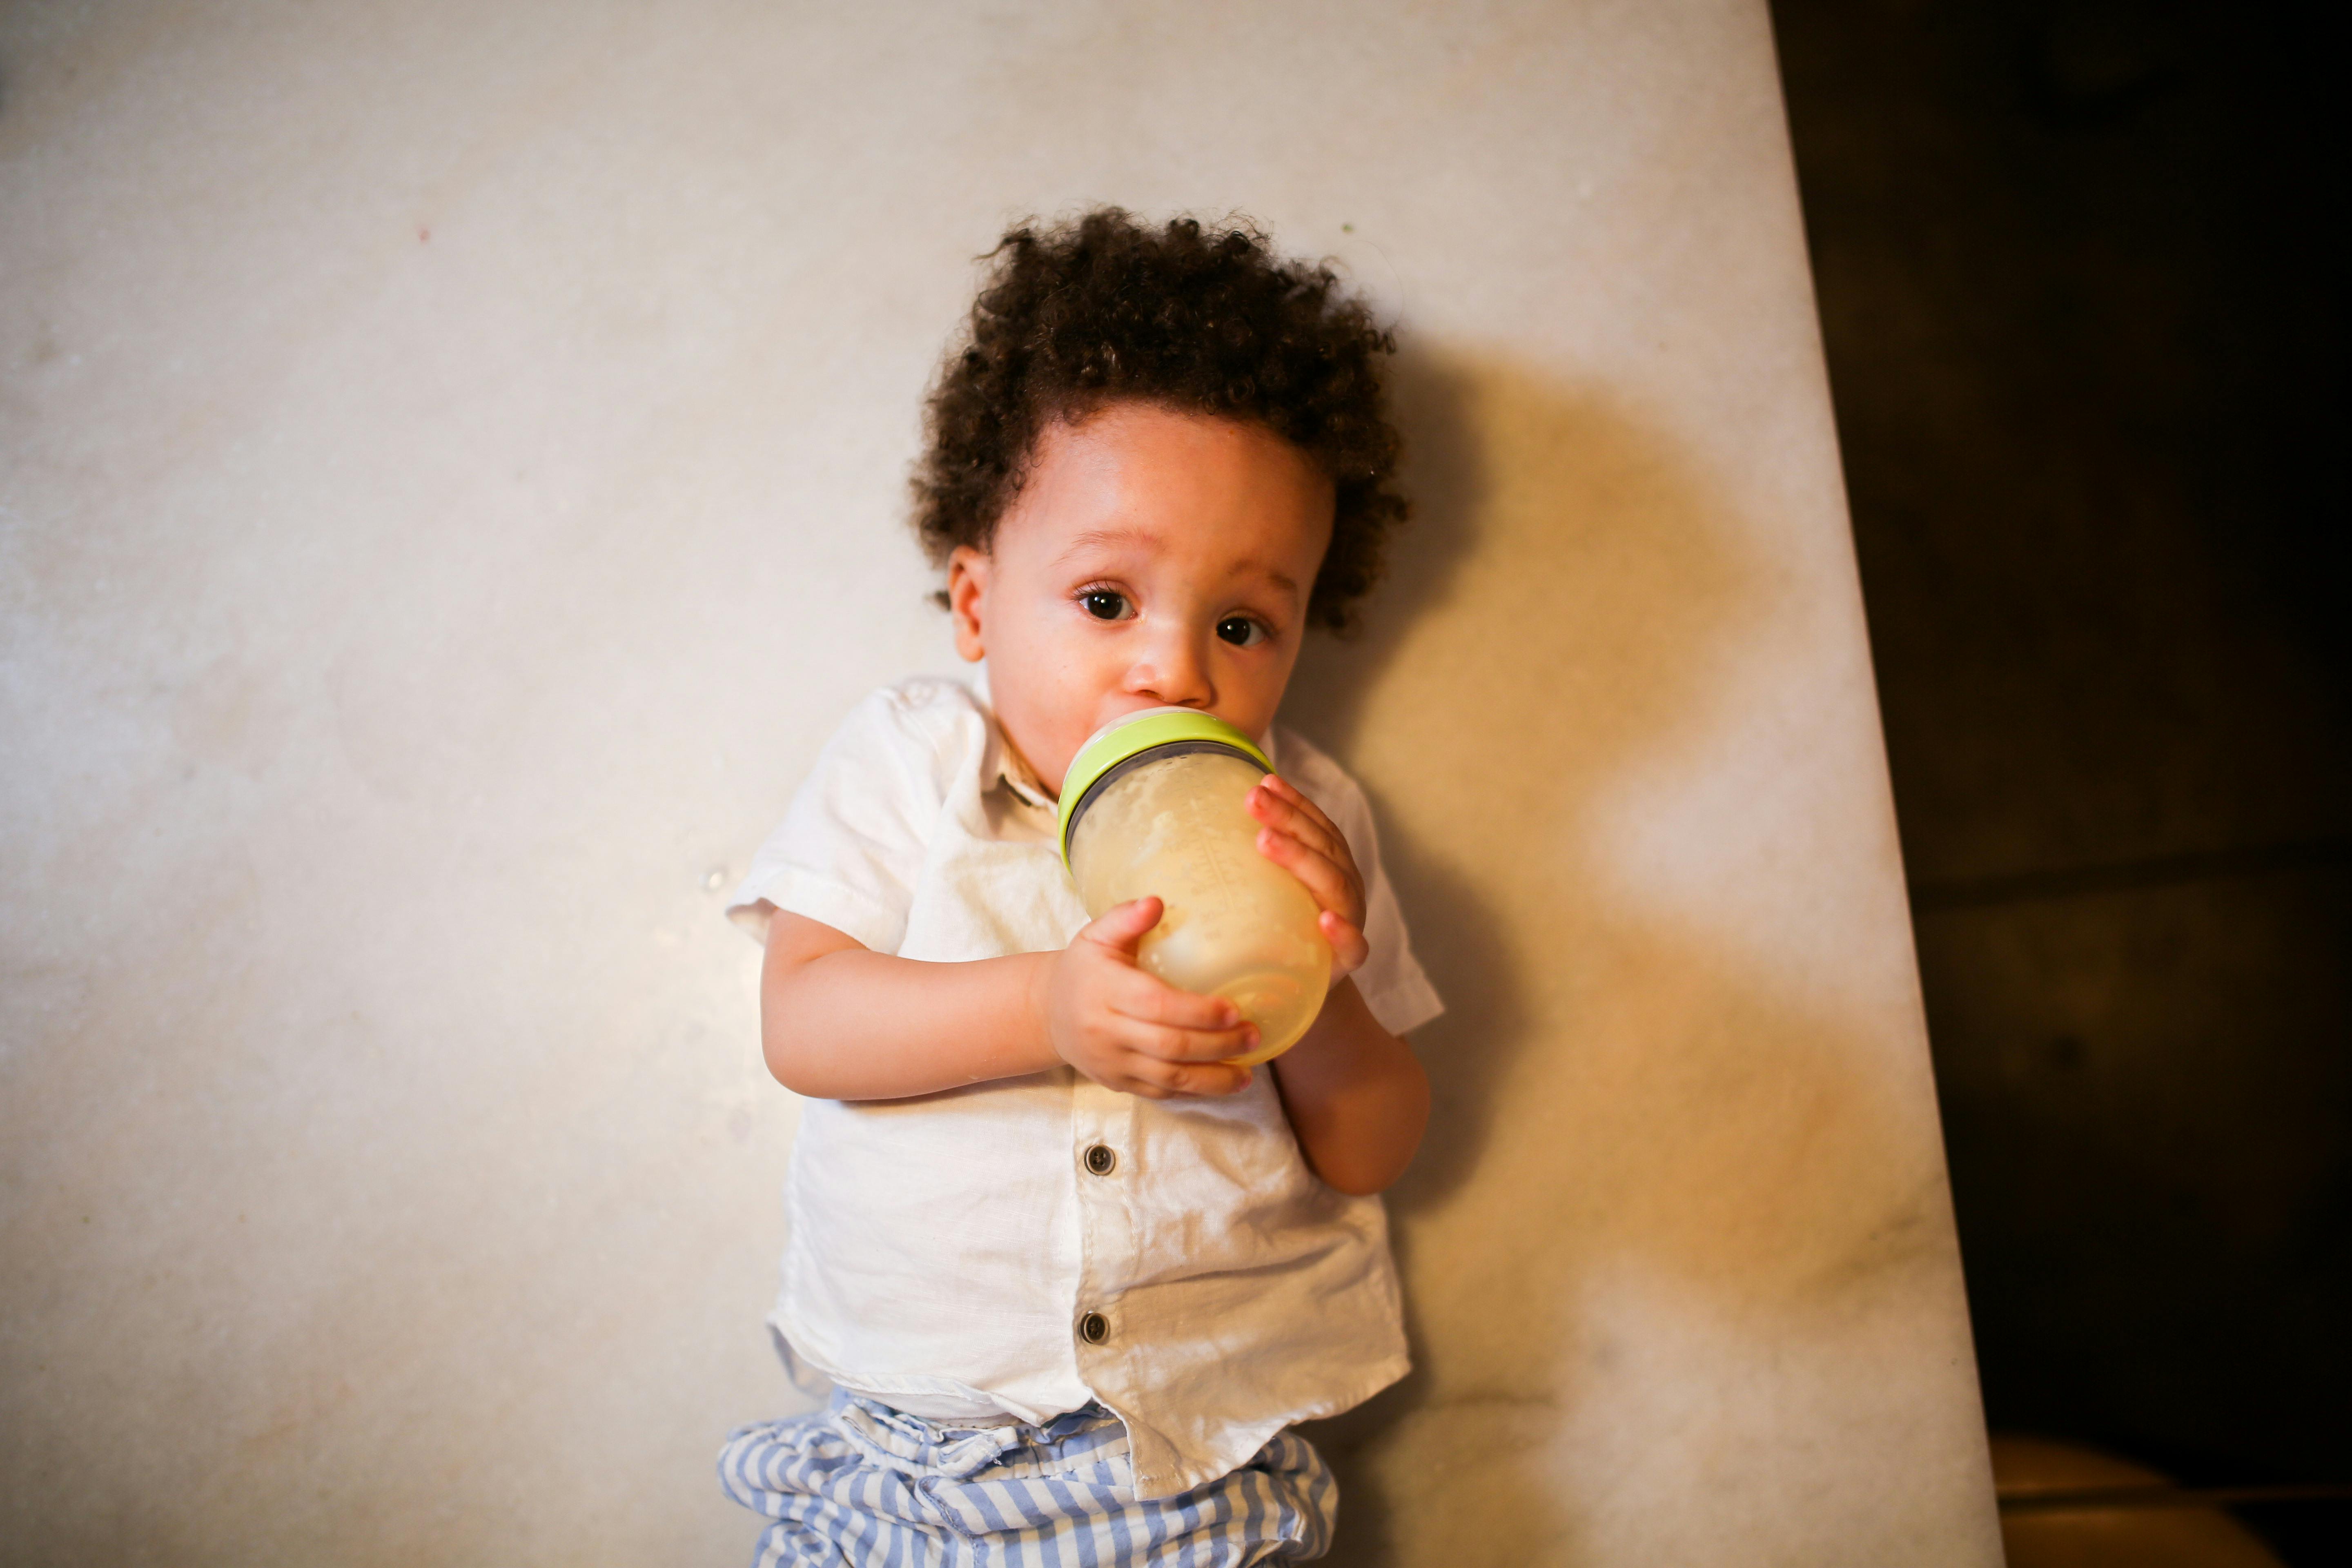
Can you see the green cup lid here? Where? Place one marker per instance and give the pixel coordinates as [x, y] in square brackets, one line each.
[1148, 731]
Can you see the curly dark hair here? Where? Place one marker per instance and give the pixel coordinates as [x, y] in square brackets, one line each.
[1101, 310]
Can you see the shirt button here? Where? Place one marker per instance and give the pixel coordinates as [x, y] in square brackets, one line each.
[1102, 1161]
[1094, 1328]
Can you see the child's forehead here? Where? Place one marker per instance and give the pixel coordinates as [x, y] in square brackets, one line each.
[1150, 483]
[1121, 544]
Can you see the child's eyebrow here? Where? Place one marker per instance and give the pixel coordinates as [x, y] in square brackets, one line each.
[1279, 579]
[1100, 538]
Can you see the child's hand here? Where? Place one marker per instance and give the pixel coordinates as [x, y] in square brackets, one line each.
[1300, 839]
[1130, 1031]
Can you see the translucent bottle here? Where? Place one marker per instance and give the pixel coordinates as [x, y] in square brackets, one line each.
[1154, 806]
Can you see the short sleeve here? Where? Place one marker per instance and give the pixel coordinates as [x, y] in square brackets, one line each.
[1394, 985]
[851, 847]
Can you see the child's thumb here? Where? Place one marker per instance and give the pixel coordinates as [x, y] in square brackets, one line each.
[1123, 925]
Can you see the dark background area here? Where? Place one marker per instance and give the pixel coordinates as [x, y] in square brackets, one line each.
[2078, 288]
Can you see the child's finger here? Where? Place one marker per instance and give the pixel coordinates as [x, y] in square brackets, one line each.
[1216, 1078]
[1332, 887]
[1278, 805]
[1157, 1001]
[1349, 948]
[1161, 1043]
[1122, 926]
[1300, 798]
[1163, 1079]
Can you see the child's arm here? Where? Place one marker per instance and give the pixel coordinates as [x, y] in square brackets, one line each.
[838, 1021]
[1357, 1099]
[1356, 1096]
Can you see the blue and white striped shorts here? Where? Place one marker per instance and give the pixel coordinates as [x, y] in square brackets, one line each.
[859, 1484]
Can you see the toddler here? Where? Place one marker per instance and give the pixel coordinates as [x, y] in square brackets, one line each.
[1071, 1276]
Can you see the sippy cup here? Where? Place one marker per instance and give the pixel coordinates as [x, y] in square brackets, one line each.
[1153, 805]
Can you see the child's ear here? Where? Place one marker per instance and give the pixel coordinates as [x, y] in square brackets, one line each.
[968, 571]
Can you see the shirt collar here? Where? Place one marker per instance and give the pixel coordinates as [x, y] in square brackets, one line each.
[1012, 770]
[1003, 764]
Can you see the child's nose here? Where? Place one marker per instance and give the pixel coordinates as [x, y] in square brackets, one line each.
[1174, 672]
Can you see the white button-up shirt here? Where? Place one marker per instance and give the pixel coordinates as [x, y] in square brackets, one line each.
[949, 1253]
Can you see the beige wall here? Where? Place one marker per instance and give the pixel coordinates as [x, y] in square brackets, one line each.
[453, 457]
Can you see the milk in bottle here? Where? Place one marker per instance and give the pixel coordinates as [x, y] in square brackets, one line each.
[1153, 805]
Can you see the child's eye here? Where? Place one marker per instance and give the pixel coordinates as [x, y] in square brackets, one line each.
[1241, 631]
[1104, 603]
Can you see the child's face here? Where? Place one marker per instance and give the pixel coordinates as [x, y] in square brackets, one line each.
[1150, 559]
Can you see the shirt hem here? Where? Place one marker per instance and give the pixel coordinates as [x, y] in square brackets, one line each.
[1412, 1000]
[1181, 1479]
[795, 891]
[889, 1389]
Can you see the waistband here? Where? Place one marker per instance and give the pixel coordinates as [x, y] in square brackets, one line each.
[1088, 1435]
